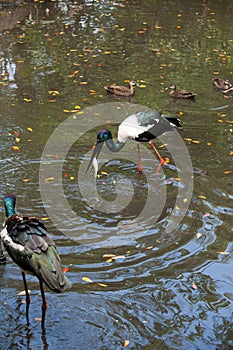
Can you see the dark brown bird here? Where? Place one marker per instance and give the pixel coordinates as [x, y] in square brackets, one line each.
[119, 90]
[223, 85]
[33, 250]
[180, 93]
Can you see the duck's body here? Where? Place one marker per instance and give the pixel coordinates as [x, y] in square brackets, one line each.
[185, 94]
[223, 85]
[141, 127]
[120, 90]
[33, 250]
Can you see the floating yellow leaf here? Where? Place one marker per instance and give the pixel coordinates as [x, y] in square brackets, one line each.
[109, 260]
[87, 279]
[202, 197]
[83, 82]
[29, 129]
[53, 92]
[209, 143]
[103, 173]
[44, 219]
[27, 99]
[49, 179]
[150, 247]
[17, 139]
[26, 180]
[230, 153]
[126, 343]
[102, 284]
[187, 139]
[227, 172]
[72, 177]
[195, 141]
[108, 255]
[223, 253]
[199, 235]
[77, 107]
[15, 148]
[23, 292]
[185, 200]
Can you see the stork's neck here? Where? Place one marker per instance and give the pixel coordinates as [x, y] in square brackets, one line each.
[115, 146]
[9, 203]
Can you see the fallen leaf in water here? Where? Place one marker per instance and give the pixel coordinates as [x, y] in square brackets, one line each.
[65, 269]
[103, 173]
[194, 286]
[23, 292]
[53, 92]
[17, 139]
[29, 129]
[49, 179]
[199, 235]
[150, 247]
[72, 178]
[44, 219]
[87, 279]
[202, 197]
[15, 148]
[227, 172]
[38, 319]
[102, 284]
[109, 260]
[126, 343]
[108, 255]
[196, 141]
[223, 253]
[230, 153]
[187, 139]
[27, 99]
[25, 180]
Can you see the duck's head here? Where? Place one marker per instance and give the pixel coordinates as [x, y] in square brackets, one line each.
[102, 136]
[133, 83]
[172, 87]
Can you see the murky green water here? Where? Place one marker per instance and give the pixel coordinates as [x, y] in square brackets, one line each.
[165, 290]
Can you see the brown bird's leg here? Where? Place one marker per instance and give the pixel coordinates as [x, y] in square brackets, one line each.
[27, 296]
[44, 304]
[161, 160]
[139, 159]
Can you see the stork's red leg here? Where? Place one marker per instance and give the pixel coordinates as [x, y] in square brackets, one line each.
[139, 159]
[44, 304]
[161, 160]
[27, 296]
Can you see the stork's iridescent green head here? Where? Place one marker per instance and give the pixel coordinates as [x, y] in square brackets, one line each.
[9, 204]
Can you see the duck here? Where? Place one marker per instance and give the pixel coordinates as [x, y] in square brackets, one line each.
[223, 85]
[181, 93]
[30, 246]
[119, 90]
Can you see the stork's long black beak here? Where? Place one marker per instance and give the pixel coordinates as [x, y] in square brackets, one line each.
[97, 148]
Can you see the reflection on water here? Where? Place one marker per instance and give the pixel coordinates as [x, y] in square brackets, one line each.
[152, 287]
